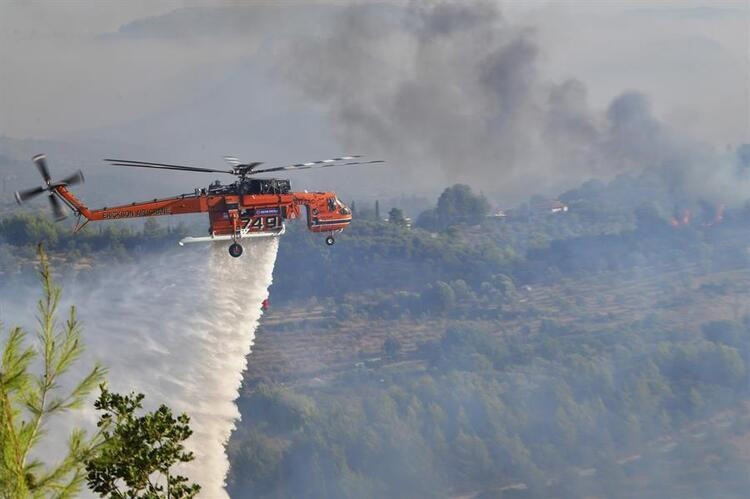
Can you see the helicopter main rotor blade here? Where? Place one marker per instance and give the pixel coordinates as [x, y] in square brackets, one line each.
[241, 169]
[56, 208]
[163, 166]
[40, 160]
[307, 166]
[320, 162]
[22, 196]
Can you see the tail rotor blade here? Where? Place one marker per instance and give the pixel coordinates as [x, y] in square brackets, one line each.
[40, 160]
[76, 178]
[22, 196]
[56, 208]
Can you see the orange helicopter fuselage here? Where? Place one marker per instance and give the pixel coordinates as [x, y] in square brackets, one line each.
[230, 213]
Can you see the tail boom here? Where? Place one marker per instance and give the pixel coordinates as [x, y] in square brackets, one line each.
[169, 206]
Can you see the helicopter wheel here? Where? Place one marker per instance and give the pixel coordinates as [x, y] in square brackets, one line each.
[330, 240]
[235, 250]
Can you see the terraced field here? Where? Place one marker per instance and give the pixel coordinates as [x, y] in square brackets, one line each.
[304, 341]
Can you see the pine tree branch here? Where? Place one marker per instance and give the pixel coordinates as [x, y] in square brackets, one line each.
[20, 389]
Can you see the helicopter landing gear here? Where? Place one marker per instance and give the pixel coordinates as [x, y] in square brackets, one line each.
[235, 250]
[330, 240]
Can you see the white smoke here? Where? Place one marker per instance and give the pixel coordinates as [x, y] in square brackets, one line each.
[178, 328]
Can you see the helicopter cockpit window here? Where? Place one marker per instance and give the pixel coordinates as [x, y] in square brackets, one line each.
[331, 204]
[342, 207]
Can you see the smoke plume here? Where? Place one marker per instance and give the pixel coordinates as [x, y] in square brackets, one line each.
[451, 91]
[177, 327]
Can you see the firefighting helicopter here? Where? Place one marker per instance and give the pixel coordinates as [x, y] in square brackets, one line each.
[247, 208]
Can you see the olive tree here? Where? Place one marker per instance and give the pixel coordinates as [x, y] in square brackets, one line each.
[139, 451]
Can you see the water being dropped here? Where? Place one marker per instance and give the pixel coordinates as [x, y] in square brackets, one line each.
[178, 328]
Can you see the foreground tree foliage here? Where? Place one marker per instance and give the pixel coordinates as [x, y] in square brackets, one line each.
[139, 451]
[29, 400]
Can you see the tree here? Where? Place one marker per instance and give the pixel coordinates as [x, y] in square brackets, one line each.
[28, 401]
[505, 286]
[648, 218]
[391, 347]
[472, 460]
[428, 220]
[152, 229]
[138, 451]
[396, 216]
[727, 332]
[456, 205]
[439, 297]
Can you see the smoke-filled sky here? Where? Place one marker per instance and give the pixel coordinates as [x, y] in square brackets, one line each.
[512, 97]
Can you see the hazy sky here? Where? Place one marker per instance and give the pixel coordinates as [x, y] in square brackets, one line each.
[57, 76]
[199, 83]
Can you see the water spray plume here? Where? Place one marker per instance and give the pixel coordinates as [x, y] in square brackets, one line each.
[178, 328]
